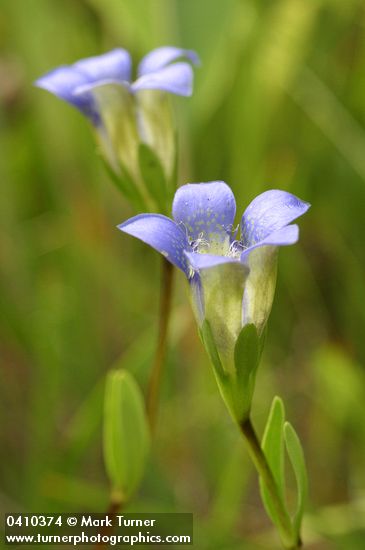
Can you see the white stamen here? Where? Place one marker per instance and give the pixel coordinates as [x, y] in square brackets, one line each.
[235, 249]
[201, 241]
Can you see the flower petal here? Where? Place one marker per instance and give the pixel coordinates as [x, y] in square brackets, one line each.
[160, 57]
[62, 82]
[223, 287]
[268, 212]
[162, 234]
[95, 100]
[205, 261]
[260, 286]
[117, 130]
[205, 207]
[176, 79]
[113, 65]
[156, 126]
[73, 83]
[84, 89]
[282, 237]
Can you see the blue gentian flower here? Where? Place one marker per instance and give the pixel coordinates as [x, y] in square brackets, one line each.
[123, 112]
[231, 271]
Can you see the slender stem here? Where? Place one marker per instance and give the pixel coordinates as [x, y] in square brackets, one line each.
[115, 506]
[266, 475]
[158, 363]
[116, 502]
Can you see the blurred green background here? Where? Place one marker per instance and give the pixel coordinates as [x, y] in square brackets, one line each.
[279, 101]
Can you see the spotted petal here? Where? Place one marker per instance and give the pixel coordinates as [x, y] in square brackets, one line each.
[176, 79]
[205, 207]
[162, 234]
[160, 57]
[269, 212]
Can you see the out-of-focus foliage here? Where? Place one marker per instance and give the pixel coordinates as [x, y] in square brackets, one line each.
[279, 102]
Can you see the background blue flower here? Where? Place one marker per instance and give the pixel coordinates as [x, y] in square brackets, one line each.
[158, 70]
[125, 113]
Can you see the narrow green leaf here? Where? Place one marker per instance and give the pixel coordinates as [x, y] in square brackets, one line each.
[153, 175]
[246, 358]
[296, 456]
[273, 448]
[126, 437]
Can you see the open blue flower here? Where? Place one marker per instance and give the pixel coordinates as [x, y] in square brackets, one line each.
[123, 112]
[232, 276]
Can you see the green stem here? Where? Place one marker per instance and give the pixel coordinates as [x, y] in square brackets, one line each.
[159, 360]
[116, 505]
[289, 539]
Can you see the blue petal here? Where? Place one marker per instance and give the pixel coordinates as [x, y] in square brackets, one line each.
[282, 237]
[159, 58]
[205, 261]
[73, 83]
[205, 207]
[62, 82]
[268, 212]
[162, 234]
[113, 65]
[176, 79]
[84, 89]
[97, 101]
[97, 97]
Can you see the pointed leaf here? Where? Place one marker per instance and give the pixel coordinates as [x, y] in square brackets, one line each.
[273, 448]
[126, 438]
[153, 175]
[297, 460]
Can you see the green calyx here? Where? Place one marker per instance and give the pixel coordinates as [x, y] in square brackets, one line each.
[236, 385]
[223, 288]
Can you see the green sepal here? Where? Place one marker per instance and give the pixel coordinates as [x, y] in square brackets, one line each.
[247, 353]
[224, 379]
[262, 341]
[153, 176]
[296, 456]
[126, 185]
[126, 435]
[273, 448]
